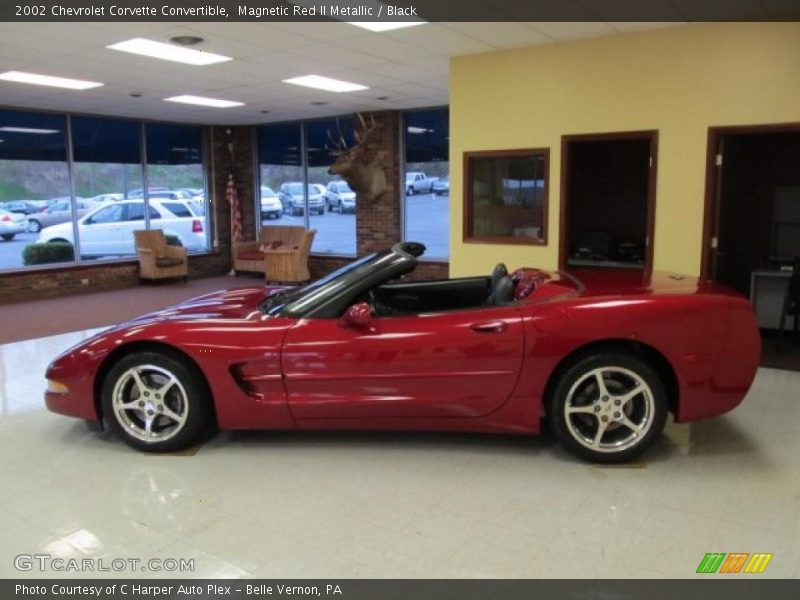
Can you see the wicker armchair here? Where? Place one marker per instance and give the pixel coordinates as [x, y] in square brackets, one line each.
[290, 263]
[157, 260]
[249, 256]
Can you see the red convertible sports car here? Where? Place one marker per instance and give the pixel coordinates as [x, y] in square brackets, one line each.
[602, 355]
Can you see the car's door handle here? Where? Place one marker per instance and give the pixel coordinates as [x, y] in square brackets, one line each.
[489, 326]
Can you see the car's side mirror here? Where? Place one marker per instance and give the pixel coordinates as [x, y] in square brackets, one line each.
[358, 316]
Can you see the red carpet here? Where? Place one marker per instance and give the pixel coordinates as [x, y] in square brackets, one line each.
[38, 318]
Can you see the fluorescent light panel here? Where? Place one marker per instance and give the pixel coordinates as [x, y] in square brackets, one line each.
[326, 83]
[171, 52]
[28, 130]
[203, 101]
[48, 80]
[380, 26]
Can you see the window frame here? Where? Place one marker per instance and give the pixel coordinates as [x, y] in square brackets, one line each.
[468, 204]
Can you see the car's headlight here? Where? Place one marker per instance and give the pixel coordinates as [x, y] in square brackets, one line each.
[57, 387]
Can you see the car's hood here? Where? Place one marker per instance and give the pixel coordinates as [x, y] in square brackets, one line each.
[235, 303]
[347, 195]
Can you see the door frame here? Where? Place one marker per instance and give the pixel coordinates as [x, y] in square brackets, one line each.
[566, 141]
[715, 136]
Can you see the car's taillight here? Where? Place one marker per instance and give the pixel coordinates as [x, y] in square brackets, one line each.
[5, 218]
[197, 226]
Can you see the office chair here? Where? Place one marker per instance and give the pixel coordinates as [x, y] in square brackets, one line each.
[791, 302]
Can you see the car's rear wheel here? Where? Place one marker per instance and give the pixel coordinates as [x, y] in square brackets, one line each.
[156, 402]
[608, 407]
[8, 236]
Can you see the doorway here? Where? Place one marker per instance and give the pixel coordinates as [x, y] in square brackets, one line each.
[608, 200]
[751, 235]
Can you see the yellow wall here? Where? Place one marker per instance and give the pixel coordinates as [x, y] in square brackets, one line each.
[679, 80]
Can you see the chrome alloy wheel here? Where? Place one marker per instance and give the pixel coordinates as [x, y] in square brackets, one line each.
[150, 403]
[609, 409]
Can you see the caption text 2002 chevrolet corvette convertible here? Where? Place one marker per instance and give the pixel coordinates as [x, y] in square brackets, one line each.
[603, 355]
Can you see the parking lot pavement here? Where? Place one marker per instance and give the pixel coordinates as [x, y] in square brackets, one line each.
[11, 251]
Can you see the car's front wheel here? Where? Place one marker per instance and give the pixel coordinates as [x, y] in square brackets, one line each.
[156, 402]
[608, 407]
[8, 236]
[34, 226]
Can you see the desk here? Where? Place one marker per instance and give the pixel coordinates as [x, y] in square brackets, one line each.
[767, 291]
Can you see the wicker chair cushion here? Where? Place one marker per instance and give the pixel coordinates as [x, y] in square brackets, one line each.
[166, 261]
[250, 255]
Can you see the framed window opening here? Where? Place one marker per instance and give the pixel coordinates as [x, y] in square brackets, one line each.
[506, 194]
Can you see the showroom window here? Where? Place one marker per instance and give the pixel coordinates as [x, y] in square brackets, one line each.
[34, 174]
[107, 168]
[72, 188]
[176, 182]
[295, 187]
[505, 196]
[427, 180]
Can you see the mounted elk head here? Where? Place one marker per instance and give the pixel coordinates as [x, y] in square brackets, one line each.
[362, 166]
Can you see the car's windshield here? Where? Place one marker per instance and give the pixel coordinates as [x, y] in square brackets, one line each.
[330, 284]
[344, 188]
[296, 189]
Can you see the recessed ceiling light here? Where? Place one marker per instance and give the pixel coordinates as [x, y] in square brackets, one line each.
[29, 130]
[153, 49]
[380, 26]
[59, 82]
[326, 83]
[413, 129]
[187, 40]
[203, 101]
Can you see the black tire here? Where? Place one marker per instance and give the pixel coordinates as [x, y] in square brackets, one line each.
[34, 226]
[410, 191]
[188, 398]
[8, 236]
[629, 427]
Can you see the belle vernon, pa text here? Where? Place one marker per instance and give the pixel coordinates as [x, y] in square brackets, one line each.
[170, 591]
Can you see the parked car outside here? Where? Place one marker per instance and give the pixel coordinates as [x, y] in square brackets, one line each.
[108, 229]
[59, 212]
[22, 207]
[441, 187]
[291, 197]
[271, 207]
[106, 197]
[418, 183]
[139, 192]
[339, 195]
[11, 224]
[171, 195]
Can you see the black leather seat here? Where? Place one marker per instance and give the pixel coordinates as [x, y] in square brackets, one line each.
[500, 271]
[503, 292]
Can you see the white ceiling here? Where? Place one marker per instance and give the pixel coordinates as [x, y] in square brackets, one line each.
[409, 66]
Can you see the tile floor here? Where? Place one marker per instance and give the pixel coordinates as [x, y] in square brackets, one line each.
[397, 505]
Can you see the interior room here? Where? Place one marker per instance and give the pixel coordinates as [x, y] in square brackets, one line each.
[448, 300]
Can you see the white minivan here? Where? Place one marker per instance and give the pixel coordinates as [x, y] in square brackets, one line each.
[108, 230]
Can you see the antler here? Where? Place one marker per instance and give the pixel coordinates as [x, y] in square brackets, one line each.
[366, 130]
[339, 147]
